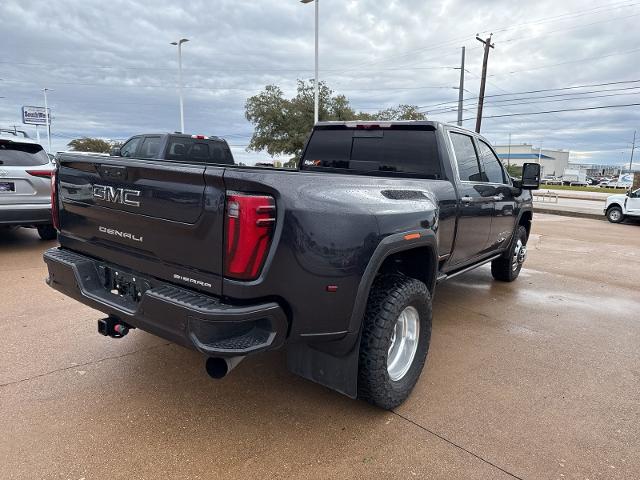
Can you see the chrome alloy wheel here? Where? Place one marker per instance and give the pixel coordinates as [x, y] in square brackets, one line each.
[404, 343]
[519, 255]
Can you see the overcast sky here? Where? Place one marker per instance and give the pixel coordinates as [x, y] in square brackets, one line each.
[113, 73]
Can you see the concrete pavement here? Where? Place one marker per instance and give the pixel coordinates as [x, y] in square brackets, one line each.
[533, 379]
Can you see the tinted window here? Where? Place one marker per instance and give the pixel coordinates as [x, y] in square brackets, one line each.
[22, 155]
[468, 167]
[492, 169]
[129, 148]
[412, 151]
[150, 147]
[199, 151]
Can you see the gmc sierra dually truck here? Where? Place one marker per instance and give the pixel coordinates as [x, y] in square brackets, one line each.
[337, 260]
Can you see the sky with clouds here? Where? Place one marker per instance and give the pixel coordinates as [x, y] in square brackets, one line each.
[113, 74]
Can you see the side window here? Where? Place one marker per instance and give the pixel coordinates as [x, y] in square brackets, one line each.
[129, 148]
[466, 158]
[150, 147]
[493, 170]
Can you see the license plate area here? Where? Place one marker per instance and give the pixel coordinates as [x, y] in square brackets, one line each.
[7, 187]
[125, 285]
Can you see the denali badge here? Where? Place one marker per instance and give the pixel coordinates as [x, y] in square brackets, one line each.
[191, 280]
[116, 195]
[118, 233]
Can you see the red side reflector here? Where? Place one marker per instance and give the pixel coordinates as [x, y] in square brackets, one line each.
[249, 225]
[54, 201]
[40, 173]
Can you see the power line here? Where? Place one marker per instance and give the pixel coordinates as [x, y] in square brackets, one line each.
[596, 10]
[538, 67]
[537, 91]
[493, 104]
[560, 111]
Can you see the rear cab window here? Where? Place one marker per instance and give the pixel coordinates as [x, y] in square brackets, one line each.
[466, 158]
[197, 150]
[406, 150]
[14, 154]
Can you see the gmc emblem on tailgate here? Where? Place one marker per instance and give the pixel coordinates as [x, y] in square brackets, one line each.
[116, 195]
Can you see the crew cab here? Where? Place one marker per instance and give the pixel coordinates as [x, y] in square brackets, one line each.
[176, 147]
[618, 207]
[337, 261]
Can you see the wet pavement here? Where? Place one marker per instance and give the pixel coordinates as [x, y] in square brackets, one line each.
[535, 379]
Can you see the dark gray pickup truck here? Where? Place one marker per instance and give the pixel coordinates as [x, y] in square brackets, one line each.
[337, 260]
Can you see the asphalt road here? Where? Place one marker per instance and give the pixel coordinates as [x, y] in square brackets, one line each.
[538, 379]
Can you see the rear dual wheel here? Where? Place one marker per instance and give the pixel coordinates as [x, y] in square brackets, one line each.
[395, 340]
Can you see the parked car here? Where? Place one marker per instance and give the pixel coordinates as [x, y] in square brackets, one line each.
[592, 181]
[337, 260]
[620, 206]
[25, 185]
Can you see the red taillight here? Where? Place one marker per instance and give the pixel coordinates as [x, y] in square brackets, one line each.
[249, 224]
[54, 201]
[40, 173]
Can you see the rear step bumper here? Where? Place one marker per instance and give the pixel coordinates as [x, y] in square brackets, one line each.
[182, 316]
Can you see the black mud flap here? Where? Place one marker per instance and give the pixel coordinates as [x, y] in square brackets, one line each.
[337, 372]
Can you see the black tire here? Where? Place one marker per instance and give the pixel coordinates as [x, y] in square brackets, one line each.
[615, 215]
[502, 268]
[389, 296]
[47, 232]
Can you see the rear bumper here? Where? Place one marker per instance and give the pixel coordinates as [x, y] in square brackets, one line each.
[182, 316]
[27, 214]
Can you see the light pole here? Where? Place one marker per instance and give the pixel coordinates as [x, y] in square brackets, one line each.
[316, 92]
[179, 44]
[46, 117]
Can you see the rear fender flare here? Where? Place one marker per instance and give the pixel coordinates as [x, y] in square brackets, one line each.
[335, 364]
[388, 246]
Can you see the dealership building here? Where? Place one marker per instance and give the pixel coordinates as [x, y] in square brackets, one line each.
[552, 162]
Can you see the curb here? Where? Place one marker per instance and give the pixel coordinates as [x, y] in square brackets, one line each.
[569, 213]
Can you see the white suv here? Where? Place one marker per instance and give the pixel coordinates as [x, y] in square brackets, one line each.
[25, 185]
[620, 206]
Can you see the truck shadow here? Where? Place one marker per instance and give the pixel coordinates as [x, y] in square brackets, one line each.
[20, 239]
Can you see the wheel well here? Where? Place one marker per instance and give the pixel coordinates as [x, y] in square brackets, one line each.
[614, 205]
[418, 263]
[525, 221]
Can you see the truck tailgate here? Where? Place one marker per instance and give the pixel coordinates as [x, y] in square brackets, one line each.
[160, 218]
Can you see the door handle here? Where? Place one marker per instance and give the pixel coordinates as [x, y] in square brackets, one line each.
[466, 199]
[498, 197]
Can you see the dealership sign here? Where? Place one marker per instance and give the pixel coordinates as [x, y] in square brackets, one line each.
[35, 115]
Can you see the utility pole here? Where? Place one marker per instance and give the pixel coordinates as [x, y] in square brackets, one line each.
[487, 45]
[461, 90]
[633, 147]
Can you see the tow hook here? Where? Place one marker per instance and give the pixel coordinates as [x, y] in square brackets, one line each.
[112, 327]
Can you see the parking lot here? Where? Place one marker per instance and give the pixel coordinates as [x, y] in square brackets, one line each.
[534, 379]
